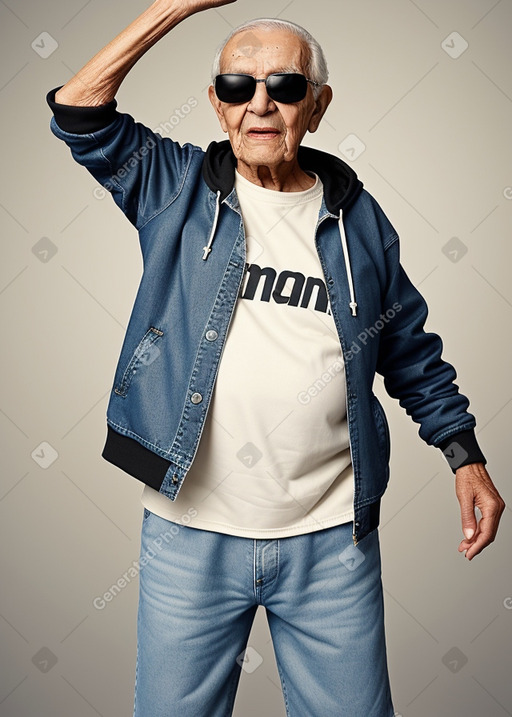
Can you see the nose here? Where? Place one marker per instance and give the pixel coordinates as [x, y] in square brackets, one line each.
[261, 103]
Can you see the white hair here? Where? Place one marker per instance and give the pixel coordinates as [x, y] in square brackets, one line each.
[316, 65]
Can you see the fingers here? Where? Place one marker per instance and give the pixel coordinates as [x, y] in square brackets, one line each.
[466, 497]
[475, 488]
[481, 539]
[467, 513]
[486, 529]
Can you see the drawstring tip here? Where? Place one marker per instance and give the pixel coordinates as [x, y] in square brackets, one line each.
[207, 249]
[353, 307]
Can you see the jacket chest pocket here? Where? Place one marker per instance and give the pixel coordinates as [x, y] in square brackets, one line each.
[146, 352]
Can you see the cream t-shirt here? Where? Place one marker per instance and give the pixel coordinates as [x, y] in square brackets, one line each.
[274, 457]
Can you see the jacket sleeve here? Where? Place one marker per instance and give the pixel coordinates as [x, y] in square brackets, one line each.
[143, 171]
[410, 363]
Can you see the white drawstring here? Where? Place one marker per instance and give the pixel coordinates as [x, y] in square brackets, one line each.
[207, 249]
[352, 304]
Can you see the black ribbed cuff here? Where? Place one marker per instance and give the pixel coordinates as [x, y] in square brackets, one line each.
[135, 459]
[461, 449]
[81, 120]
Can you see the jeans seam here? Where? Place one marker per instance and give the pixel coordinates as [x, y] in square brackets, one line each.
[283, 688]
[232, 692]
[135, 683]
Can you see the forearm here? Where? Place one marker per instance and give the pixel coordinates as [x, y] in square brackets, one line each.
[98, 81]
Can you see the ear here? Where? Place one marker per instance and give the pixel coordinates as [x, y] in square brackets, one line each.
[322, 103]
[217, 106]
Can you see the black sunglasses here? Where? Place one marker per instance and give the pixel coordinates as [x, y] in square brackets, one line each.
[286, 87]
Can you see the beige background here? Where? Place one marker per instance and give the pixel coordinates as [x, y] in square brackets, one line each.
[436, 130]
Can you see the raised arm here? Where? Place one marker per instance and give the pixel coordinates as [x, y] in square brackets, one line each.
[98, 81]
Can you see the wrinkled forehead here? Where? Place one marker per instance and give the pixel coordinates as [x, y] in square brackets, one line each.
[256, 51]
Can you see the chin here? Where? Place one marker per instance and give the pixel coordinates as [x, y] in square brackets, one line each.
[262, 155]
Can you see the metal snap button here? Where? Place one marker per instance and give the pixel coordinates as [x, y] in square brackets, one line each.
[212, 335]
[196, 398]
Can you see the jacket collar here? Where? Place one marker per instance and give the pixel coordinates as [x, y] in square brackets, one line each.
[341, 184]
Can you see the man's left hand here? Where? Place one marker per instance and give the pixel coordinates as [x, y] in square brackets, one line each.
[475, 489]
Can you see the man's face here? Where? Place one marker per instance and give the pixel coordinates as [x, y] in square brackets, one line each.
[260, 53]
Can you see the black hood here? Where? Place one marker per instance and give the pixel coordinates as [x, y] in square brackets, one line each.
[341, 185]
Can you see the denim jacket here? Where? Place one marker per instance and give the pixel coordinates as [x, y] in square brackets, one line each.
[182, 202]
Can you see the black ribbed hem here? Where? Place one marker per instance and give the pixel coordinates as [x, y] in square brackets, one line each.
[374, 514]
[81, 120]
[366, 519]
[135, 459]
[461, 449]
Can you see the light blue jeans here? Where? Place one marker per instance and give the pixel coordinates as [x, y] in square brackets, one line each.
[199, 592]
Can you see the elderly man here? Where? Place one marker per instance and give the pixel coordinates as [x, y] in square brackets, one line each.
[271, 294]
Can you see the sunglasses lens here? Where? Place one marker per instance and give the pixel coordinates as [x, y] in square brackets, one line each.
[234, 88]
[287, 88]
[281, 87]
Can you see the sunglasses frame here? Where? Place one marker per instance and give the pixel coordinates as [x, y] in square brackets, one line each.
[265, 80]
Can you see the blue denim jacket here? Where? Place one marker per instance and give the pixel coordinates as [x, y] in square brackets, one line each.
[182, 202]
